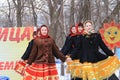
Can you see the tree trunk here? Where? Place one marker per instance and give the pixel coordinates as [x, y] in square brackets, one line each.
[18, 7]
[9, 15]
[55, 9]
[34, 13]
[113, 13]
[87, 12]
[80, 11]
[19, 21]
[72, 22]
[106, 6]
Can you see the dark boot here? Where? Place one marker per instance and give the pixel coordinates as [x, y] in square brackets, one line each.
[76, 79]
[113, 77]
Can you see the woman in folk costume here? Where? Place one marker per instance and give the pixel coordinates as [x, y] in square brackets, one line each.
[92, 65]
[41, 62]
[73, 40]
[25, 56]
[79, 28]
[19, 67]
[69, 44]
[67, 48]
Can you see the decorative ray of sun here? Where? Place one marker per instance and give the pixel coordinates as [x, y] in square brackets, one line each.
[111, 34]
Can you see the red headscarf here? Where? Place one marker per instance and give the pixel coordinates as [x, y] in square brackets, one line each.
[71, 33]
[41, 35]
[79, 25]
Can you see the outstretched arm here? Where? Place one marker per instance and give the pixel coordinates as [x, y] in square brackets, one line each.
[104, 47]
[67, 46]
[57, 52]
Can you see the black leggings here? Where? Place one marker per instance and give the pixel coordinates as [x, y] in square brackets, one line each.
[113, 77]
[82, 79]
[76, 79]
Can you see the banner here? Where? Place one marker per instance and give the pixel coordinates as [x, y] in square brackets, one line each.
[13, 43]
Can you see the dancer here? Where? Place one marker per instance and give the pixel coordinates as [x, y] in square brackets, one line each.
[68, 47]
[92, 64]
[20, 65]
[41, 63]
[79, 28]
[29, 47]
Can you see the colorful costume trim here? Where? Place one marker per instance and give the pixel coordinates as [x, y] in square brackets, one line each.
[94, 71]
[41, 72]
[19, 67]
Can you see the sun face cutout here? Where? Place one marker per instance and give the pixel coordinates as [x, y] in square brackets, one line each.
[111, 34]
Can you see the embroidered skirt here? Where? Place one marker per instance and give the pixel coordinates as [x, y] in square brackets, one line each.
[93, 71]
[19, 67]
[41, 72]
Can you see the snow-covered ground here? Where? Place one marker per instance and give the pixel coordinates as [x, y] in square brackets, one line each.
[66, 76]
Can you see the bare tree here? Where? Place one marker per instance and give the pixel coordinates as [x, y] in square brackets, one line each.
[79, 10]
[87, 10]
[19, 4]
[113, 13]
[106, 2]
[9, 14]
[72, 16]
[59, 14]
[55, 9]
[33, 12]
